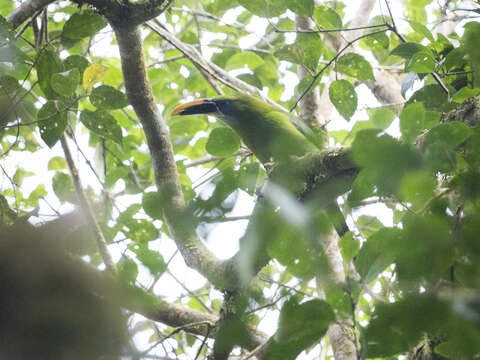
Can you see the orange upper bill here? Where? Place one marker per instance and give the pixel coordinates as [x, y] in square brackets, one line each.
[194, 105]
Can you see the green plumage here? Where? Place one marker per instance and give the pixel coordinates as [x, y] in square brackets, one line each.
[273, 135]
[266, 130]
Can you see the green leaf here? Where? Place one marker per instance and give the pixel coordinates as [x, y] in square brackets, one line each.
[152, 203]
[421, 29]
[127, 270]
[57, 163]
[470, 37]
[412, 316]
[377, 42]
[327, 17]
[102, 124]
[349, 245]
[339, 299]
[465, 93]
[412, 121]
[432, 96]
[299, 327]
[343, 97]
[381, 117]
[421, 62]
[417, 188]
[377, 253]
[289, 53]
[255, 7]
[408, 49]
[21, 174]
[86, 23]
[451, 134]
[76, 62]
[52, 121]
[63, 187]
[222, 141]
[301, 7]
[153, 260]
[65, 83]
[310, 48]
[356, 66]
[384, 160]
[108, 98]
[186, 126]
[48, 63]
[238, 61]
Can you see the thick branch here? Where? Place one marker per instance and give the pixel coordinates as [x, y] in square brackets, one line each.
[26, 10]
[140, 95]
[208, 67]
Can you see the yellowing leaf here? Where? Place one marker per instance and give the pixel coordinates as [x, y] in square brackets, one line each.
[93, 74]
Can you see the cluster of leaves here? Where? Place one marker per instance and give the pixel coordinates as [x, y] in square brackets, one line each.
[428, 176]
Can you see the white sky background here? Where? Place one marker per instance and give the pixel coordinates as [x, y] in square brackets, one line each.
[223, 239]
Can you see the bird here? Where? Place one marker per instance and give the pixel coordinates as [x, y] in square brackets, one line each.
[273, 135]
[276, 137]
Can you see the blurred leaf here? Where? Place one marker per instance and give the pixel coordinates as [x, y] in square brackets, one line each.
[343, 97]
[383, 159]
[421, 62]
[356, 66]
[238, 61]
[471, 36]
[102, 123]
[377, 253]
[93, 74]
[397, 327]
[52, 121]
[21, 174]
[65, 83]
[349, 245]
[289, 53]
[57, 163]
[299, 327]
[86, 23]
[432, 96]
[152, 203]
[417, 188]
[465, 93]
[222, 142]
[412, 121]
[76, 62]
[327, 17]
[381, 117]
[48, 63]
[301, 7]
[408, 49]
[108, 98]
[310, 48]
[127, 270]
[63, 187]
[153, 260]
[452, 134]
[421, 29]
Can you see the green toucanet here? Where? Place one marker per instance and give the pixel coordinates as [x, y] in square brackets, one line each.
[273, 135]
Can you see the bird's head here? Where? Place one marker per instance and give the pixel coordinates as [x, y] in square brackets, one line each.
[230, 109]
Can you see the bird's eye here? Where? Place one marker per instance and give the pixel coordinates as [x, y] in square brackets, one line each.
[225, 106]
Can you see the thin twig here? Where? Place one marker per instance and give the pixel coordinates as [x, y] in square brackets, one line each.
[86, 207]
[301, 31]
[337, 55]
[394, 29]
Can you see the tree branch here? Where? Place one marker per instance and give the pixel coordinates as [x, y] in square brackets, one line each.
[86, 207]
[210, 68]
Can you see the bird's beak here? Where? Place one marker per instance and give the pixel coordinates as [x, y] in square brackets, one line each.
[201, 106]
